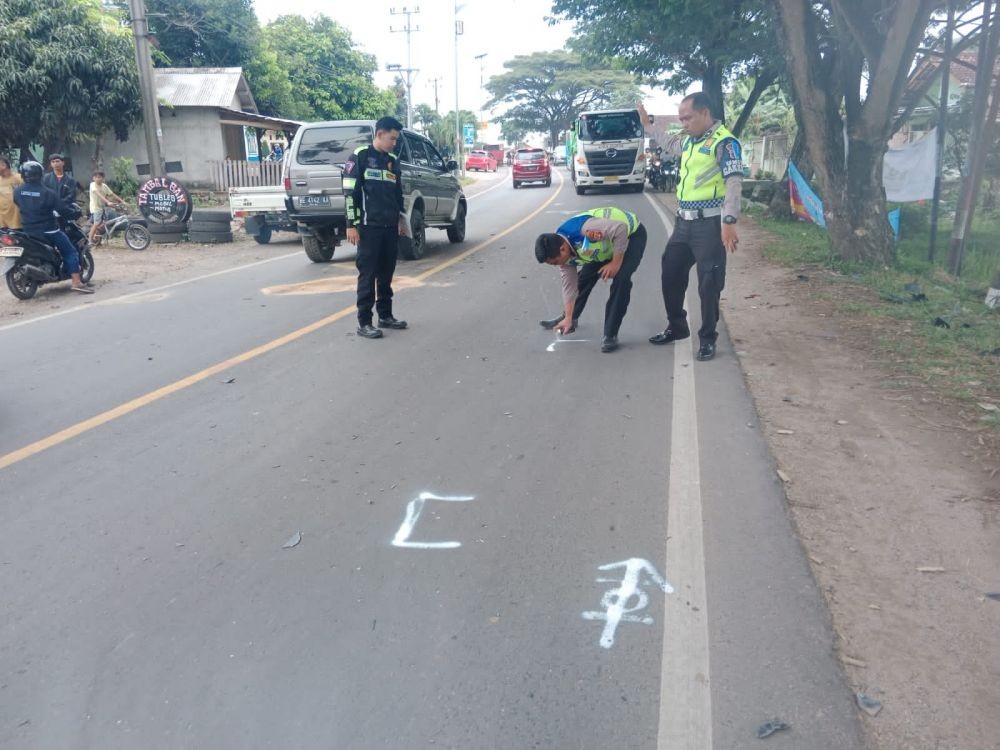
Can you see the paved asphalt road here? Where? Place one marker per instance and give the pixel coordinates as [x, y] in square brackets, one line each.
[501, 543]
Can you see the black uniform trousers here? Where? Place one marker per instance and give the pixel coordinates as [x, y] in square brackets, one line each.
[694, 242]
[376, 262]
[621, 284]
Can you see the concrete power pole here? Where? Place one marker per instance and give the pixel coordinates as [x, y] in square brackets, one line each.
[147, 87]
[435, 81]
[408, 30]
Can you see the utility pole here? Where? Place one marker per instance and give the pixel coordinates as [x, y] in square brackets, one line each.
[941, 127]
[459, 29]
[482, 71]
[435, 81]
[147, 87]
[408, 29]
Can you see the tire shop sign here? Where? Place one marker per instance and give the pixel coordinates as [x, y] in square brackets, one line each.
[163, 200]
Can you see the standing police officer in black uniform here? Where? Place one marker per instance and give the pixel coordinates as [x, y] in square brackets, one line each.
[376, 218]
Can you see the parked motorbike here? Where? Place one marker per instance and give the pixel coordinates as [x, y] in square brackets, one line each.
[29, 262]
[668, 168]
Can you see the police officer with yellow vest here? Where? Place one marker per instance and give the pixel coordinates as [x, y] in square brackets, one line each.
[603, 243]
[708, 196]
[373, 197]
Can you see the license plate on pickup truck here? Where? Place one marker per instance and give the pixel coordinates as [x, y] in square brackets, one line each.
[314, 200]
[611, 178]
[11, 252]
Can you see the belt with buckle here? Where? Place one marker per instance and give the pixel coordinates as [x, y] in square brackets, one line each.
[689, 214]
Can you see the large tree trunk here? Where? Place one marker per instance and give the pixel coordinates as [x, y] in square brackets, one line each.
[764, 79]
[780, 206]
[711, 83]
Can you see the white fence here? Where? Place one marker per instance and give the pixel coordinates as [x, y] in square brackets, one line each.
[230, 173]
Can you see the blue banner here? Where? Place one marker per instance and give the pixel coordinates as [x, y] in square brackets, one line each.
[805, 203]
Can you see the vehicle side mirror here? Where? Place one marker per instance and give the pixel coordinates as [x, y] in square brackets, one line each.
[451, 165]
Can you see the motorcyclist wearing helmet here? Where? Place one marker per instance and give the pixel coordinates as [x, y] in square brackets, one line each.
[38, 205]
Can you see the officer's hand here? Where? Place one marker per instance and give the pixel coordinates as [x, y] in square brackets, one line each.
[353, 237]
[563, 328]
[610, 270]
[404, 227]
[729, 238]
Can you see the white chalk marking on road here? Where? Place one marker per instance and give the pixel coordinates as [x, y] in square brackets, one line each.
[615, 600]
[552, 347]
[413, 510]
[685, 692]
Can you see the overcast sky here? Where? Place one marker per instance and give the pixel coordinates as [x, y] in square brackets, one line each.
[500, 29]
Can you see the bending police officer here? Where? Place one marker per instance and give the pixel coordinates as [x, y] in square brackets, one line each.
[376, 218]
[603, 243]
[708, 197]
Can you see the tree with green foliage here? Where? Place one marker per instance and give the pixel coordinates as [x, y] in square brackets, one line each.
[847, 65]
[677, 43]
[204, 33]
[773, 113]
[546, 91]
[331, 79]
[68, 73]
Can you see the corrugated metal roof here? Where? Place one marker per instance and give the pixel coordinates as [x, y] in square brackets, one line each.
[203, 87]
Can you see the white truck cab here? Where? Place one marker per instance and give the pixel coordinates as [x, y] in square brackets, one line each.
[609, 150]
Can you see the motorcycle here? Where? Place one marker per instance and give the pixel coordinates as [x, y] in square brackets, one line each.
[655, 173]
[30, 262]
[668, 169]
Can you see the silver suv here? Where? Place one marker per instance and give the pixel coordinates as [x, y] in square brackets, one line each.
[312, 173]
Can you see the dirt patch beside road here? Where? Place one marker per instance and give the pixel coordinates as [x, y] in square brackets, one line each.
[896, 495]
[119, 270]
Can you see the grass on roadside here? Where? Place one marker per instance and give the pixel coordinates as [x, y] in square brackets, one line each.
[925, 323]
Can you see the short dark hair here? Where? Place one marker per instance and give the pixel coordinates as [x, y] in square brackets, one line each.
[388, 123]
[5, 161]
[699, 100]
[98, 174]
[548, 246]
[57, 156]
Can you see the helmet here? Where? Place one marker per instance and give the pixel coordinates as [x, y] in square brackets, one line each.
[31, 171]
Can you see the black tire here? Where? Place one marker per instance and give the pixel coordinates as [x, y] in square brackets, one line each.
[456, 232]
[548, 182]
[417, 245]
[317, 252]
[20, 285]
[209, 226]
[86, 266]
[516, 184]
[263, 236]
[137, 237]
[177, 227]
[164, 238]
[210, 237]
[580, 190]
[211, 214]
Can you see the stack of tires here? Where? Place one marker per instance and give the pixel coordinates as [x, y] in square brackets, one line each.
[168, 232]
[210, 226]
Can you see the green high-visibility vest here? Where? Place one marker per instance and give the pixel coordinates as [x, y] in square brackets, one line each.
[701, 178]
[604, 250]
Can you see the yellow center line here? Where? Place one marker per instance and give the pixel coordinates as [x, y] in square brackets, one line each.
[137, 403]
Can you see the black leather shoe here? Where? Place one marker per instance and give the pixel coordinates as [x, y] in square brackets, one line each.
[399, 325]
[369, 331]
[609, 343]
[706, 351]
[668, 336]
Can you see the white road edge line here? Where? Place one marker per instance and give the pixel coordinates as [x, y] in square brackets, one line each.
[685, 689]
[116, 300]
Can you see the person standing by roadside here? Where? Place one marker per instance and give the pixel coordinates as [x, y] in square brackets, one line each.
[708, 196]
[61, 181]
[376, 218]
[10, 215]
[101, 197]
[603, 243]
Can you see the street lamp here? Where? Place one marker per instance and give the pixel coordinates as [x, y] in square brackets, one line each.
[482, 93]
[459, 29]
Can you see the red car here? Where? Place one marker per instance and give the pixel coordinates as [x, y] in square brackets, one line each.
[480, 160]
[531, 165]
